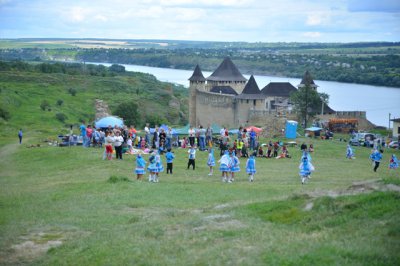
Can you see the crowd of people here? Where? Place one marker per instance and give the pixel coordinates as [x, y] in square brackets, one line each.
[232, 147]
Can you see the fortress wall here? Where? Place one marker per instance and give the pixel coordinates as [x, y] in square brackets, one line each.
[244, 108]
[237, 86]
[351, 114]
[214, 108]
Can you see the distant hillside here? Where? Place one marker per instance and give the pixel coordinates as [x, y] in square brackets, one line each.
[47, 98]
[373, 63]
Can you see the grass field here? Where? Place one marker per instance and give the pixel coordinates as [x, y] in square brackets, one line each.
[66, 206]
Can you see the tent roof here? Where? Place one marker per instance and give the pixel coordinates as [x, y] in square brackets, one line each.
[183, 130]
[109, 121]
[314, 129]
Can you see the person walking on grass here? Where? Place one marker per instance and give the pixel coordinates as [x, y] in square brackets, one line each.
[251, 166]
[376, 158]
[153, 169]
[350, 152]
[20, 135]
[169, 156]
[225, 166]
[211, 160]
[192, 157]
[159, 165]
[235, 168]
[305, 168]
[140, 167]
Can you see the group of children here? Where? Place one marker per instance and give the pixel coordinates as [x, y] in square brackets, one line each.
[229, 164]
[375, 157]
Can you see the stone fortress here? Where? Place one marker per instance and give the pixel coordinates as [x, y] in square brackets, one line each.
[228, 99]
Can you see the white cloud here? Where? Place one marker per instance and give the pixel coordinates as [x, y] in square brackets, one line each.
[312, 34]
[77, 14]
[314, 19]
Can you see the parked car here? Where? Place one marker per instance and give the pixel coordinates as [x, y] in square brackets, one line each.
[363, 139]
[394, 144]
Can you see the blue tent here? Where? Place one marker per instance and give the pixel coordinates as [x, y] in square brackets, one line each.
[109, 121]
[183, 130]
[165, 127]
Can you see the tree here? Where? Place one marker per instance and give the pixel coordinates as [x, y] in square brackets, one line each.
[129, 112]
[117, 68]
[307, 102]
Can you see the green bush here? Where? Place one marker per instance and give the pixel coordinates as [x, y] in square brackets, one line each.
[44, 105]
[60, 102]
[61, 117]
[4, 114]
[72, 91]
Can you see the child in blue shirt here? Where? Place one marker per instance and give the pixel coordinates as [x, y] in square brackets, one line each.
[170, 159]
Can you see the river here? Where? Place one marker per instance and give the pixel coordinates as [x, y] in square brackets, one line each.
[377, 101]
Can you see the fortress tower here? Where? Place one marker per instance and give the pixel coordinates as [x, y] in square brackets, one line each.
[307, 81]
[197, 83]
[226, 75]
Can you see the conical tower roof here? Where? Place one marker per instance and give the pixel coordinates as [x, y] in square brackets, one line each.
[307, 80]
[227, 71]
[251, 87]
[197, 75]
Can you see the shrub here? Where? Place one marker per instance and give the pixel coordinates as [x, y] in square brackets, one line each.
[61, 117]
[129, 112]
[4, 114]
[44, 105]
[72, 91]
[60, 102]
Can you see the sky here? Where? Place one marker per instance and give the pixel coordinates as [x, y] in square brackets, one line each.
[204, 20]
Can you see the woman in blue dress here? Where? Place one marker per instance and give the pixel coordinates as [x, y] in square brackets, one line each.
[140, 167]
[235, 168]
[211, 160]
[305, 168]
[251, 166]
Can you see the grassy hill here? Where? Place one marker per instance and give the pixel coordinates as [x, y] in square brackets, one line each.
[66, 206]
[72, 91]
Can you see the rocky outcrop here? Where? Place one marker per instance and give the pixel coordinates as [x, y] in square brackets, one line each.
[102, 109]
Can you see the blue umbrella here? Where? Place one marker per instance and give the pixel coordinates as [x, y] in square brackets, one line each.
[109, 121]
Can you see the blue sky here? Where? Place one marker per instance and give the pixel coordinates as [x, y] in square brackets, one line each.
[209, 20]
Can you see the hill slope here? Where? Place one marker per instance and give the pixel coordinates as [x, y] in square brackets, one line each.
[25, 89]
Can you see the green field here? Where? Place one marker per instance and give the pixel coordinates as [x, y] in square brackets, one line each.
[66, 206]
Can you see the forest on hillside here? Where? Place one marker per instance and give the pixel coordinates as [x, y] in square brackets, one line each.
[375, 63]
